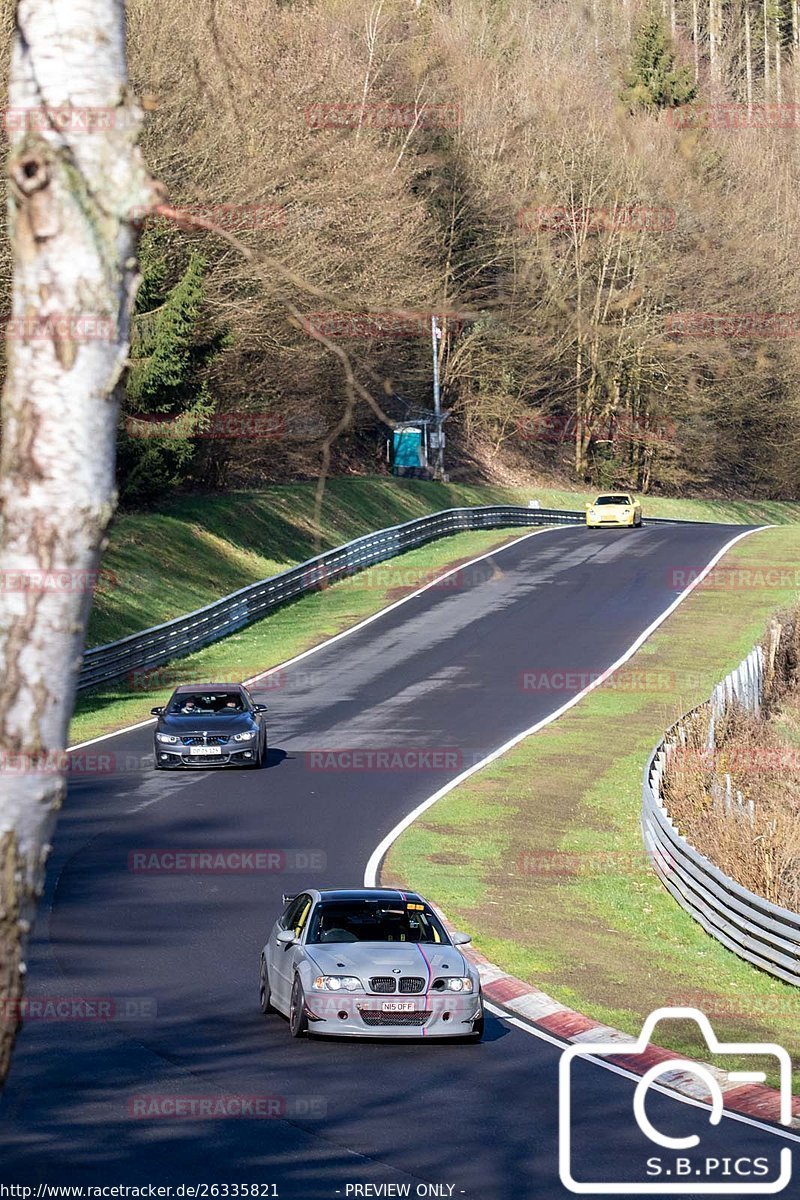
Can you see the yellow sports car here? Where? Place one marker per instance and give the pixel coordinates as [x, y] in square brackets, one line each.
[614, 508]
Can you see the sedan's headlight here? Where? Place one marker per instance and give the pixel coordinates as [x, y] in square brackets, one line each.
[244, 737]
[457, 983]
[337, 983]
[166, 737]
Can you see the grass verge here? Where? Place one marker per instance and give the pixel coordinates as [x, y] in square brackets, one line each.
[198, 548]
[541, 854]
[288, 631]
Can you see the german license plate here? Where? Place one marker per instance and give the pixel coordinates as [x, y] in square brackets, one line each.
[398, 1006]
[205, 750]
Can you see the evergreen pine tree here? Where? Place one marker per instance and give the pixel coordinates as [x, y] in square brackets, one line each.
[167, 398]
[654, 81]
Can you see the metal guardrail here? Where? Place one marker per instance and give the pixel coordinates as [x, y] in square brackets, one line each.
[185, 634]
[757, 930]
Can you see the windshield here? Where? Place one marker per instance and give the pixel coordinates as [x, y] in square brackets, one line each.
[375, 921]
[207, 702]
[613, 500]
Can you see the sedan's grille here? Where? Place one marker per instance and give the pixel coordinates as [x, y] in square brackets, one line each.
[381, 1018]
[412, 984]
[197, 739]
[210, 758]
[383, 983]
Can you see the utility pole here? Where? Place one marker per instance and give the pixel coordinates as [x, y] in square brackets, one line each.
[436, 335]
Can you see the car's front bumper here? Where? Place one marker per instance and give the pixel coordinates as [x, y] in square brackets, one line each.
[611, 522]
[168, 757]
[361, 1015]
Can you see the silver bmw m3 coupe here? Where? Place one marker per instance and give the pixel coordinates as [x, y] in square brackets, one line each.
[370, 962]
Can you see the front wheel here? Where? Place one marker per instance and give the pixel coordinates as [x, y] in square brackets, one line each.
[477, 1028]
[298, 1021]
[264, 991]
[258, 761]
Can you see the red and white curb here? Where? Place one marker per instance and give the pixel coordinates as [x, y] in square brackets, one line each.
[523, 1000]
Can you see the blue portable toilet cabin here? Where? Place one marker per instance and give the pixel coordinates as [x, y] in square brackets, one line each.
[408, 450]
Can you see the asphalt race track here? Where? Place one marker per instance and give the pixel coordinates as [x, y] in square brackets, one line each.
[438, 673]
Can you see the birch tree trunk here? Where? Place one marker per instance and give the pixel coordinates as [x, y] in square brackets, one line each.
[695, 41]
[74, 177]
[766, 50]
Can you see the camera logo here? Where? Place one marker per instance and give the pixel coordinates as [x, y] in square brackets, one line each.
[676, 1171]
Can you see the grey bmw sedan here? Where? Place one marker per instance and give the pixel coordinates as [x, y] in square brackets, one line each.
[218, 725]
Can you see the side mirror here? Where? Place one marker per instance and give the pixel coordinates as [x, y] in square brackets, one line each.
[286, 938]
[259, 708]
[588, 504]
[156, 711]
[460, 939]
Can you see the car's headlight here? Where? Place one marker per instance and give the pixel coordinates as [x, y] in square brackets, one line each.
[457, 983]
[336, 983]
[166, 737]
[244, 737]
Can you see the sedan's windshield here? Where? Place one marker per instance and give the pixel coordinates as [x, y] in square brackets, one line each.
[207, 702]
[375, 921]
[613, 500]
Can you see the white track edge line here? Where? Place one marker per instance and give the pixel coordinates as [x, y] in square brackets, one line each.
[353, 628]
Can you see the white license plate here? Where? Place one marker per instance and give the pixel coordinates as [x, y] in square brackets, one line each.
[398, 1006]
[205, 750]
